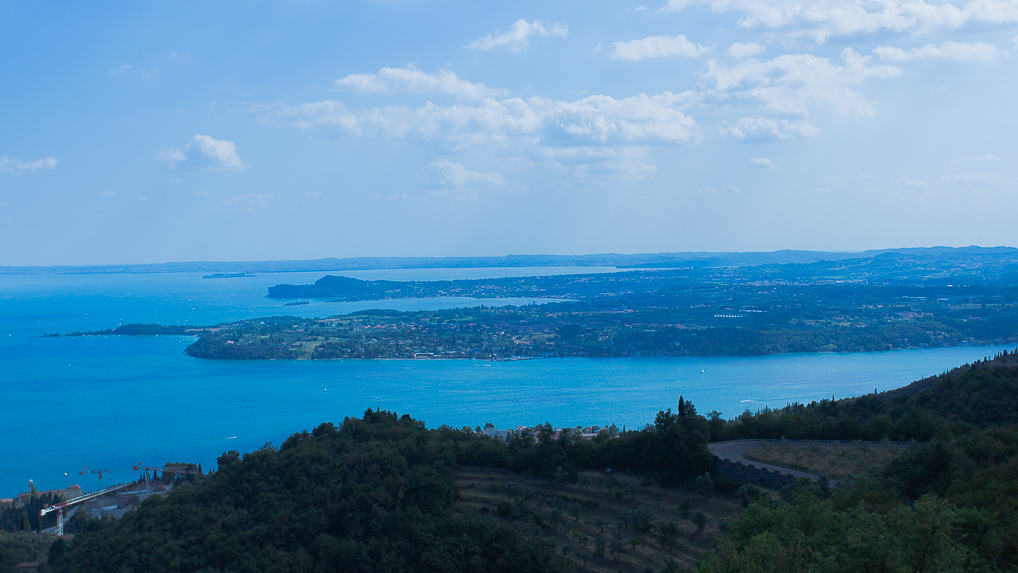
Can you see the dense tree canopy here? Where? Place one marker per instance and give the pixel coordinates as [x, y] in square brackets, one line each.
[373, 495]
[947, 504]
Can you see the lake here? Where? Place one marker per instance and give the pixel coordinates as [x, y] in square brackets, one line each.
[111, 402]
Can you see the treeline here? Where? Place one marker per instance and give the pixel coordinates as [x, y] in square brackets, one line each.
[21, 547]
[672, 450]
[981, 394]
[135, 330]
[947, 504]
[26, 517]
[375, 494]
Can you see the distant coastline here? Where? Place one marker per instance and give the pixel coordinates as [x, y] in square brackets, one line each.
[637, 260]
[228, 275]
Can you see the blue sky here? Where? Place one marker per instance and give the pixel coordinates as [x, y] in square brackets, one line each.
[145, 132]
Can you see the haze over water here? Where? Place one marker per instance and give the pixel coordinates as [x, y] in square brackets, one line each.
[111, 402]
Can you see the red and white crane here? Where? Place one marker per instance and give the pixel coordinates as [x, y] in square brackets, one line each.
[59, 507]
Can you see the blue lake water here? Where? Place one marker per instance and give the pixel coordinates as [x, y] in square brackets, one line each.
[112, 402]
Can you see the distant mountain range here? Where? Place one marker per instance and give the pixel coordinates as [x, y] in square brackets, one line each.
[642, 260]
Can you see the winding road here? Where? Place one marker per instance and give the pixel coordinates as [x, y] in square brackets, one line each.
[735, 451]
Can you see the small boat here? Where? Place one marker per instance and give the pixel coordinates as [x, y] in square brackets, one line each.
[325, 389]
[231, 437]
[701, 371]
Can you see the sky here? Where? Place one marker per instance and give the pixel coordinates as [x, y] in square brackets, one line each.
[171, 131]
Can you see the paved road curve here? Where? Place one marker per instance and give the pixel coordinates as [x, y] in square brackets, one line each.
[735, 451]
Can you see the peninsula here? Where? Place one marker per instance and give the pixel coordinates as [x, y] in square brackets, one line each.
[903, 299]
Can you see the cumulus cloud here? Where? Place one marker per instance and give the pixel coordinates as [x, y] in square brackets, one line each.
[764, 128]
[172, 156]
[762, 162]
[959, 51]
[16, 166]
[221, 152]
[517, 38]
[204, 150]
[741, 50]
[451, 174]
[599, 119]
[329, 113]
[658, 47]
[827, 18]
[412, 80]
[789, 84]
[591, 162]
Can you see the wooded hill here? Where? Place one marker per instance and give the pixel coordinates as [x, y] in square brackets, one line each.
[375, 494]
[379, 493]
[946, 504]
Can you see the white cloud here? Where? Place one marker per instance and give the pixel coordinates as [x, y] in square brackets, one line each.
[172, 156]
[413, 80]
[517, 38]
[789, 84]
[741, 50]
[762, 162]
[329, 113]
[658, 47]
[959, 51]
[597, 119]
[221, 152]
[825, 18]
[763, 128]
[589, 163]
[204, 150]
[451, 174]
[17, 166]
[987, 157]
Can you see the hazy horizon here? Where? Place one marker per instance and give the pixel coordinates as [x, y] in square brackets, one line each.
[103, 264]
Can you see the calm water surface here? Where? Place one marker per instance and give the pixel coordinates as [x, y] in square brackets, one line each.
[111, 402]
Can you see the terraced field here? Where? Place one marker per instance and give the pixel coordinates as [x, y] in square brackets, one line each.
[603, 521]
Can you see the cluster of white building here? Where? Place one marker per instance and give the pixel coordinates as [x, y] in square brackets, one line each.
[583, 432]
